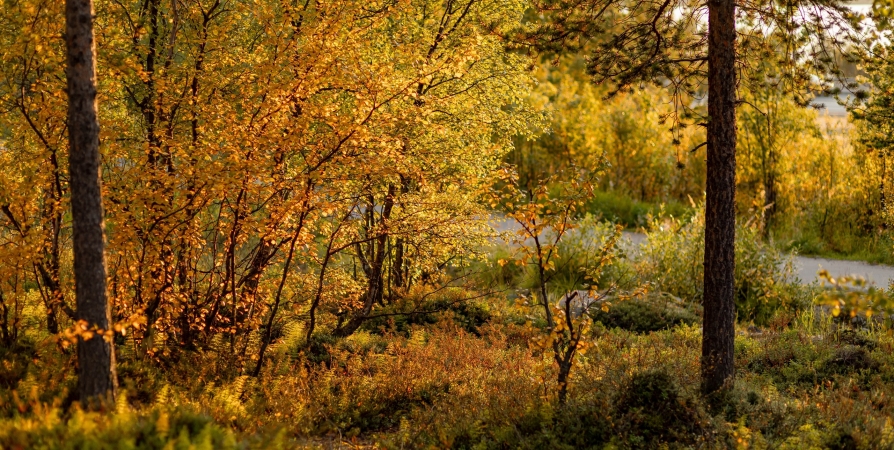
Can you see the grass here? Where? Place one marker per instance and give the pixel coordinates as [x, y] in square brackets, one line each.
[631, 213]
[874, 250]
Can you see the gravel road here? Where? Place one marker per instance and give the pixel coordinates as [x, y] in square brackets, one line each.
[806, 267]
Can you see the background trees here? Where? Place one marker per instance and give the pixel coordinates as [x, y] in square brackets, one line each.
[872, 116]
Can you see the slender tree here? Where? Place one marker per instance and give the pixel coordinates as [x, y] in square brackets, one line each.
[96, 355]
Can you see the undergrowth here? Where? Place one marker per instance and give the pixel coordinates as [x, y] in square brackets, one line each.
[463, 368]
[810, 385]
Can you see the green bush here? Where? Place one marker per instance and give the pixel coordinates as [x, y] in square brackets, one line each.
[651, 411]
[402, 316]
[850, 359]
[619, 208]
[672, 259]
[583, 423]
[643, 315]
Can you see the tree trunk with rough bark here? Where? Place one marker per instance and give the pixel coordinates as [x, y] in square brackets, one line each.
[96, 355]
[720, 215]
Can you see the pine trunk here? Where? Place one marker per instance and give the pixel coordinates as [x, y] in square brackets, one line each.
[720, 215]
[96, 355]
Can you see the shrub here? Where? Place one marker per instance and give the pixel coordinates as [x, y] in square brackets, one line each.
[651, 411]
[619, 208]
[583, 423]
[436, 379]
[643, 315]
[575, 256]
[16, 358]
[849, 359]
[401, 316]
[578, 256]
[672, 258]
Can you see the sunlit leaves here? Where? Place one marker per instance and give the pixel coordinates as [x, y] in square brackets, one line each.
[234, 131]
[852, 296]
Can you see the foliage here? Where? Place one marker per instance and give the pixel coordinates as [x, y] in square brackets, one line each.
[871, 115]
[770, 164]
[158, 428]
[644, 315]
[823, 187]
[620, 137]
[631, 43]
[853, 298]
[262, 161]
[672, 259]
[299, 223]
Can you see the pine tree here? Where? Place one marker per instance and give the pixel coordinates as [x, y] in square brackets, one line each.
[668, 43]
[96, 355]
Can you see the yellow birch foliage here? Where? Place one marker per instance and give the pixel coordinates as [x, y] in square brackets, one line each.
[259, 156]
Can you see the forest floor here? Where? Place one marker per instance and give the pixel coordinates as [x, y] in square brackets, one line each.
[477, 371]
[471, 365]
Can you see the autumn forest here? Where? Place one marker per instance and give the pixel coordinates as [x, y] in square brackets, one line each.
[543, 224]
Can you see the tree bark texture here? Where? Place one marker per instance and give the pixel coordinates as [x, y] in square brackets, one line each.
[96, 355]
[720, 215]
